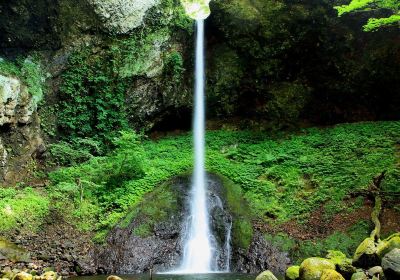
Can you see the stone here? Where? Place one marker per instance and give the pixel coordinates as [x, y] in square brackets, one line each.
[343, 264]
[114, 277]
[366, 254]
[330, 274]
[122, 16]
[376, 270]
[266, 275]
[49, 275]
[23, 276]
[311, 268]
[292, 273]
[359, 276]
[387, 245]
[391, 264]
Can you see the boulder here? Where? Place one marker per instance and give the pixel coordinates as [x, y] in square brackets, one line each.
[330, 274]
[391, 264]
[23, 276]
[114, 277]
[387, 245]
[343, 264]
[292, 273]
[376, 270]
[266, 275]
[366, 254]
[311, 268]
[49, 275]
[359, 276]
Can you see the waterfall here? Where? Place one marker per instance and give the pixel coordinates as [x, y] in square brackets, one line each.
[198, 249]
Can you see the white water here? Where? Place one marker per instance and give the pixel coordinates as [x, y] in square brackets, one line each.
[198, 249]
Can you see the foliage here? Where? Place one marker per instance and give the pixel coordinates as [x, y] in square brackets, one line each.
[76, 151]
[282, 178]
[345, 242]
[368, 5]
[30, 73]
[24, 210]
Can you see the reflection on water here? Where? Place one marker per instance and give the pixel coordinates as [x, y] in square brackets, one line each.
[212, 276]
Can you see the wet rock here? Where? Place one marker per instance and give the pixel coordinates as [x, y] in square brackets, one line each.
[366, 254]
[266, 275]
[391, 264]
[312, 268]
[330, 274]
[292, 273]
[359, 276]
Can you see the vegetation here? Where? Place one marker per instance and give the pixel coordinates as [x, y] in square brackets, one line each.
[368, 5]
[29, 71]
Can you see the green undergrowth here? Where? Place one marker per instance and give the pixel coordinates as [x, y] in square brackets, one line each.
[24, 210]
[282, 177]
[346, 242]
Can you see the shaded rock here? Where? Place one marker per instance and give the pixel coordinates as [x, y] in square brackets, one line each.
[330, 274]
[23, 276]
[292, 273]
[311, 268]
[359, 276]
[391, 264]
[366, 254]
[266, 275]
[387, 245]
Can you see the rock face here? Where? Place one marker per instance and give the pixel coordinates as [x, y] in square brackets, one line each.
[122, 16]
[366, 254]
[142, 245]
[20, 139]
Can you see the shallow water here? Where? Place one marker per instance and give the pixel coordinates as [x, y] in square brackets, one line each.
[211, 276]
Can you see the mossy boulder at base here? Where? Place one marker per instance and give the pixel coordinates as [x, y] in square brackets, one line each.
[292, 273]
[330, 274]
[114, 277]
[23, 276]
[359, 276]
[391, 264]
[387, 245]
[366, 254]
[49, 275]
[311, 268]
[343, 264]
[375, 271]
[266, 275]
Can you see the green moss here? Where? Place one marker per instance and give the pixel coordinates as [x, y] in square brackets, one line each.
[292, 273]
[24, 210]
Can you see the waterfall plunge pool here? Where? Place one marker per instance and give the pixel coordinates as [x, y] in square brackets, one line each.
[209, 276]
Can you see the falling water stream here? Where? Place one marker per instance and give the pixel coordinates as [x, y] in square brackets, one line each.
[198, 250]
